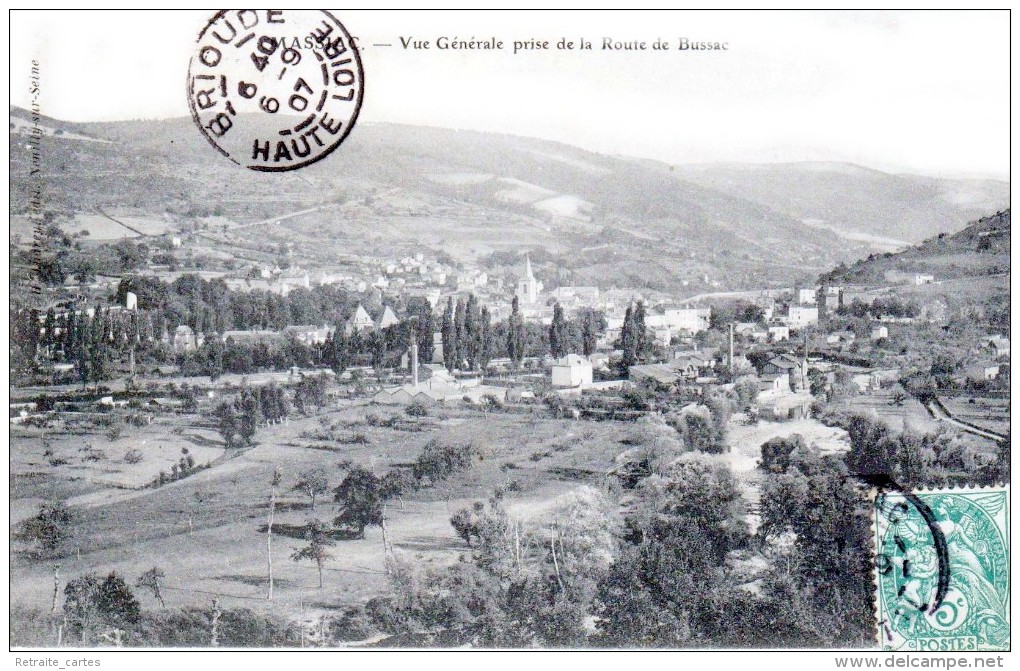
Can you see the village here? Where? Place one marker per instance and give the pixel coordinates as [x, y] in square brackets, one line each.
[790, 342]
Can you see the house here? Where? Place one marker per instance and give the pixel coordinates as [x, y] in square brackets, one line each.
[920, 279]
[982, 372]
[308, 334]
[806, 296]
[657, 373]
[779, 333]
[184, 339]
[691, 364]
[599, 360]
[800, 316]
[359, 321]
[879, 333]
[786, 364]
[774, 383]
[386, 319]
[996, 345]
[572, 370]
[250, 337]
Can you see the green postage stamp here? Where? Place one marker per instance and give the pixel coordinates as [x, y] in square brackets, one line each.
[942, 569]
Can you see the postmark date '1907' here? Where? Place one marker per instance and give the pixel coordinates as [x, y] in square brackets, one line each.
[275, 90]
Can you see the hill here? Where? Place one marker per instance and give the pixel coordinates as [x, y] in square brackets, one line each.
[981, 249]
[391, 189]
[856, 202]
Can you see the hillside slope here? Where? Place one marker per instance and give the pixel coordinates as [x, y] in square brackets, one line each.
[586, 217]
[981, 249]
[849, 198]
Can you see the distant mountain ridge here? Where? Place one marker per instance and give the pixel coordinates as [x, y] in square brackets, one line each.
[603, 220]
[858, 199]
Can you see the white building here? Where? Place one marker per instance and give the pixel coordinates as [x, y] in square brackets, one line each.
[528, 288]
[801, 316]
[779, 333]
[359, 321]
[572, 370]
[386, 319]
[806, 296]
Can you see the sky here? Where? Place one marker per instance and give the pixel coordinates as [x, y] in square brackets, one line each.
[922, 92]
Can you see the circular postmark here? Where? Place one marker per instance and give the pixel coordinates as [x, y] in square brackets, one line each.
[275, 90]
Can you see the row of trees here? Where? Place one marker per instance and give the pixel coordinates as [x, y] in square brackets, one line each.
[467, 334]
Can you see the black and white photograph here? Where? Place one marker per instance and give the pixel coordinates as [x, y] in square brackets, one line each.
[363, 330]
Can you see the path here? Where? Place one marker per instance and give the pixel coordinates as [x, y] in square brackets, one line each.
[941, 414]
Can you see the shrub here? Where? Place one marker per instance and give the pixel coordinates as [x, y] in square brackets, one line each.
[49, 528]
[437, 462]
[133, 456]
[115, 431]
[416, 409]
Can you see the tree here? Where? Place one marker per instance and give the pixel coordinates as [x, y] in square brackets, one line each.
[317, 550]
[151, 579]
[515, 334]
[310, 390]
[665, 588]
[449, 335]
[641, 342]
[249, 411]
[360, 499]
[559, 336]
[49, 528]
[487, 345]
[274, 482]
[843, 386]
[378, 351]
[312, 483]
[91, 603]
[227, 422]
[628, 340]
[339, 357]
[873, 450]
[746, 390]
[592, 324]
[460, 328]
[420, 309]
[776, 453]
[828, 513]
[472, 332]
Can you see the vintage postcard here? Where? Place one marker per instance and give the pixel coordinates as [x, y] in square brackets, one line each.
[362, 330]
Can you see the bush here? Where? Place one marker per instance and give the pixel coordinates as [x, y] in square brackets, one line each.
[115, 431]
[354, 439]
[90, 604]
[49, 528]
[133, 456]
[437, 462]
[352, 625]
[416, 409]
[776, 453]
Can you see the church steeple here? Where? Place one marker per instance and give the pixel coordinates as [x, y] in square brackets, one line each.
[528, 287]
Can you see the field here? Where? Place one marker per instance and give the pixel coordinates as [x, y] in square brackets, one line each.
[909, 415]
[987, 413]
[207, 530]
[98, 227]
